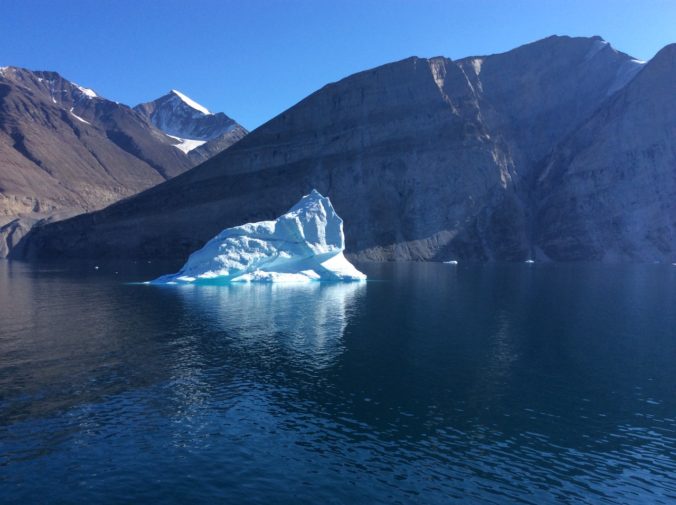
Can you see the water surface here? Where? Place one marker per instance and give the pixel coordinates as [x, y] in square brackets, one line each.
[429, 384]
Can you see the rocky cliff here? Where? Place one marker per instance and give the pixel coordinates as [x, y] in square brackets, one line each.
[425, 159]
[608, 192]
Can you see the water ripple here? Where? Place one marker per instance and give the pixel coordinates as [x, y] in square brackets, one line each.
[471, 385]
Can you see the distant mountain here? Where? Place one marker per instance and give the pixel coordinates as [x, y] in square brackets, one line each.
[198, 132]
[65, 150]
[560, 149]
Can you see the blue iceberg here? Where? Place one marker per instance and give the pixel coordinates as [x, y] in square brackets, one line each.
[305, 244]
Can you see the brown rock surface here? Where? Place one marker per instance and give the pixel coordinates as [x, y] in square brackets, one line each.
[424, 159]
[64, 150]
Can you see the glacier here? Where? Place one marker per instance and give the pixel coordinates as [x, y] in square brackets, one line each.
[305, 244]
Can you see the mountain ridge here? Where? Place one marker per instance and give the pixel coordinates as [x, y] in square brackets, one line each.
[199, 132]
[65, 150]
[425, 159]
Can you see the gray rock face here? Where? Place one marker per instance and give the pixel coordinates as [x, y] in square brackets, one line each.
[608, 192]
[177, 115]
[536, 94]
[425, 159]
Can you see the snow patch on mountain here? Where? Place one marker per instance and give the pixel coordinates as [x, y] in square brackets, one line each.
[87, 92]
[191, 103]
[305, 244]
[76, 116]
[186, 121]
[476, 65]
[187, 145]
[625, 74]
[596, 47]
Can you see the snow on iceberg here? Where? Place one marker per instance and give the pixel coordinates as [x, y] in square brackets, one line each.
[305, 244]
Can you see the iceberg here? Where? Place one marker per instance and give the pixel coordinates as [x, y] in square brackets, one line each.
[305, 244]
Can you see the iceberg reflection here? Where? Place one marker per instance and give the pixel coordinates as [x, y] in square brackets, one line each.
[304, 321]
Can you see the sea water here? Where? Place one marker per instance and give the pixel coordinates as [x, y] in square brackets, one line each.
[430, 383]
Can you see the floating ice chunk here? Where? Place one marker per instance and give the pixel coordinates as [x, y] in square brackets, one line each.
[306, 244]
[529, 261]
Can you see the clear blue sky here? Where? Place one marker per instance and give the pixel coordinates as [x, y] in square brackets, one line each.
[252, 59]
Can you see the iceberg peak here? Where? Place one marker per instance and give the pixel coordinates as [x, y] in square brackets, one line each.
[305, 244]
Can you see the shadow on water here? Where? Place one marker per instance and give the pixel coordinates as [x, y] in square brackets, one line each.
[486, 383]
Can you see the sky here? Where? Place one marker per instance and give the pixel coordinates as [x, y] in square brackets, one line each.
[252, 59]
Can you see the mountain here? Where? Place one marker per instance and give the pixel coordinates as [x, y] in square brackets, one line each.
[608, 192]
[65, 150]
[425, 159]
[198, 132]
[534, 95]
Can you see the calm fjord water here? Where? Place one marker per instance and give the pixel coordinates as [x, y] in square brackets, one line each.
[429, 384]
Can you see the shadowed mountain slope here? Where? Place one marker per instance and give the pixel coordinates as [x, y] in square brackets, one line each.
[425, 159]
[65, 150]
[609, 191]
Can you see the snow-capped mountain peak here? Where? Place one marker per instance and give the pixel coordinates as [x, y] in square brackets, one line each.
[190, 124]
[190, 102]
[86, 91]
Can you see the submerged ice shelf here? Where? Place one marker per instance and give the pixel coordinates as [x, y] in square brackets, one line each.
[305, 244]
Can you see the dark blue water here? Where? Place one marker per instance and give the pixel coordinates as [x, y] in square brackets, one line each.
[431, 384]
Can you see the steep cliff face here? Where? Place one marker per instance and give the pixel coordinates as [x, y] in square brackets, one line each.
[536, 94]
[609, 191]
[425, 159]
